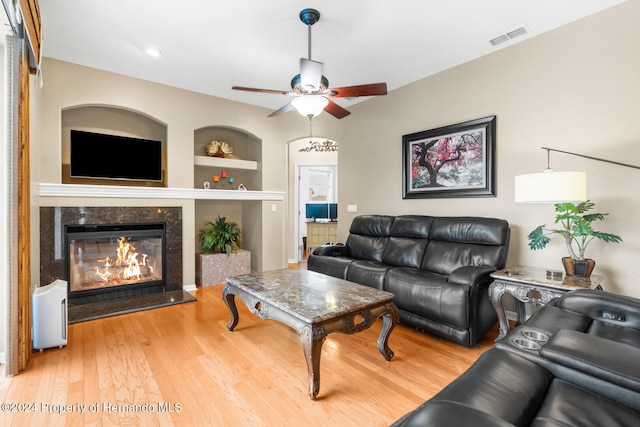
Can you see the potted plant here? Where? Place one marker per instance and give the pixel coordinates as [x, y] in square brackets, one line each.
[222, 255]
[220, 236]
[574, 222]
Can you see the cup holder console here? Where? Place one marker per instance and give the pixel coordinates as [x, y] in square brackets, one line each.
[535, 335]
[527, 344]
[530, 339]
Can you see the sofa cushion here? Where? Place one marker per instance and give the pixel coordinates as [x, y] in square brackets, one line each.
[429, 295]
[417, 226]
[500, 383]
[616, 333]
[329, 265]
[439, 413]
[458, 241]
[552, 319]
[370, 273]
[614, 362]
[408, 240]
[568, 405]
[368, 236]
[404, 252]
[366, 247]
[371, 225]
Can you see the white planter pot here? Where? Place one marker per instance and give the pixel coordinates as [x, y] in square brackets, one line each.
[213, 269]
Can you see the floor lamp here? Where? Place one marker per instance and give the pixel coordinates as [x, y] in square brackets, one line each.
[556, 187]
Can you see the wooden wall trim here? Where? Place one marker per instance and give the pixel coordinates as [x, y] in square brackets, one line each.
[24, 219]
[33, 25]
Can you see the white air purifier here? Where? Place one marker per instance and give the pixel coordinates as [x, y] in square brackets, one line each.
[50, 315]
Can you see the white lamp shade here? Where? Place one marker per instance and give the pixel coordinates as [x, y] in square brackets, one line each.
[551, 187]
[310, 105]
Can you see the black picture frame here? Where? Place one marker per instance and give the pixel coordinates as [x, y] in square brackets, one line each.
[451, 161]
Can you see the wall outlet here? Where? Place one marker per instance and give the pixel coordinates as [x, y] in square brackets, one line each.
[352, 208]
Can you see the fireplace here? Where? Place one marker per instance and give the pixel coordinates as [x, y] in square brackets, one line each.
[114, 259]
[92, 234]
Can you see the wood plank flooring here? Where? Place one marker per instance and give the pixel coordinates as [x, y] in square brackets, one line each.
[180, 366]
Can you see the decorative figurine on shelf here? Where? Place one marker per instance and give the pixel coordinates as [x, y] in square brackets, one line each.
[222, 181]
[219, 149]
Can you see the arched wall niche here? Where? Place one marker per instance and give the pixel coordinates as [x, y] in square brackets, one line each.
[245, 145]
[245, 167]
[112, 120]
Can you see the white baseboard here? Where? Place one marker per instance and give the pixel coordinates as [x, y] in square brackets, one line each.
[190, 288]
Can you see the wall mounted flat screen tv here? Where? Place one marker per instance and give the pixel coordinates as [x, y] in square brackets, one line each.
[100, 156]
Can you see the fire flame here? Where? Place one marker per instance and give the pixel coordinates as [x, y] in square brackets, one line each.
[126, 262]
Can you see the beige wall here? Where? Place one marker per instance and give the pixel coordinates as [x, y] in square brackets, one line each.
[575, 89]
[67, 85]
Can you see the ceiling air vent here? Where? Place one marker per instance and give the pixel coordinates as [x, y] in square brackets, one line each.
[509, 36]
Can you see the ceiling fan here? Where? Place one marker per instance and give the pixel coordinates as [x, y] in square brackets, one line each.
[310, 88]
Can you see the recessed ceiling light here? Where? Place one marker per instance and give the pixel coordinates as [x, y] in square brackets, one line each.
[154, 52]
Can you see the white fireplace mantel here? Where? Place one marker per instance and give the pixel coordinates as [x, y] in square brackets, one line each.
[102, 191]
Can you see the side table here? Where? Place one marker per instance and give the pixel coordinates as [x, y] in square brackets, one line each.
[531, 285]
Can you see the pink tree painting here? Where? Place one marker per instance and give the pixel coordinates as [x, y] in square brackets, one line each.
[457, 160]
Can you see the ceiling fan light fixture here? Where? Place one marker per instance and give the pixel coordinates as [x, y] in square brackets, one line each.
[310, 105]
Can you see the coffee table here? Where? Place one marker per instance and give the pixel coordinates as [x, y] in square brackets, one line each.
[314, 305]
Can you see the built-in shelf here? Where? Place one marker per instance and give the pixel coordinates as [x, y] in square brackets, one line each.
[102, 191]
[225, 163]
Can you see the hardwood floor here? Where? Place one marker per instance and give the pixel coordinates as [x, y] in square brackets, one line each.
[184, 367]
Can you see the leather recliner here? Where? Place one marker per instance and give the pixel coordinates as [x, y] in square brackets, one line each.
[583, 369]
[437, 268]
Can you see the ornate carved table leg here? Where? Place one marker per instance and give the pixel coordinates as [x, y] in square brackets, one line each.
[229, 299]
[389, 321]
[312, 339]
[496, 291]
[521, 312]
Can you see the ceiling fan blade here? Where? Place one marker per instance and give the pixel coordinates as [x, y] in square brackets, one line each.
[335, 110]
[252, 89]
[282, 110]
[373, 89]
[310, 74]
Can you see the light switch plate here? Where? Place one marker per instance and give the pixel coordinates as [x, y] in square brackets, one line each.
[352, 208]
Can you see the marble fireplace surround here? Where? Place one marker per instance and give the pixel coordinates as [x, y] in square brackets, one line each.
[53, 258]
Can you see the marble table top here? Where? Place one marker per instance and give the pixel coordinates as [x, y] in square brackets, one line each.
[533, 275]
[308, 295]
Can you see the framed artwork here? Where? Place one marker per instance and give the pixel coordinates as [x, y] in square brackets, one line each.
[450, 161]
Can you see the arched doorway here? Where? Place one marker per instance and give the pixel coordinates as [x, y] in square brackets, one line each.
[313, 179]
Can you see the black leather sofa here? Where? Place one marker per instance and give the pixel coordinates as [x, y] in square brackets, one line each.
[437, 268]
[582, 369]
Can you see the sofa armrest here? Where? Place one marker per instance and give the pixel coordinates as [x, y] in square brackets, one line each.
[608, 360]
[448, 413]
[607, 307]
[471, 275]
[332, 250]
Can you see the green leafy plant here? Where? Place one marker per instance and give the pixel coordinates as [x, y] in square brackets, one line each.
[575, 228]
[220, 236]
